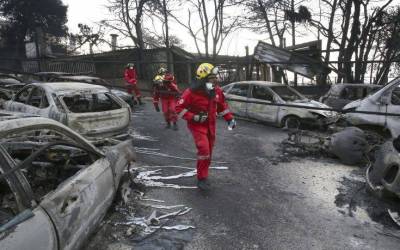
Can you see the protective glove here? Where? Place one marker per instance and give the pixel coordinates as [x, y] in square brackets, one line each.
[201, 117]
[157, 108]
[231, 124]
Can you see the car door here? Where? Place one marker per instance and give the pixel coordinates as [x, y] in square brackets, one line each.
[38, 103]
[238, 91]
[393, 122]
[78, 204]
[22, 227]
[262, 112]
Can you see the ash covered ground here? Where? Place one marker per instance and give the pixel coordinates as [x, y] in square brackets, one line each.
[265, 195]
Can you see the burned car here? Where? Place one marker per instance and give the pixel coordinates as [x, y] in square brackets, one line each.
[69, 77]
[98, 81]
[341, 94]
[240, 96]
[385, 101]
[89, 109]
[49, 76]
[9, 85]
[55, 185]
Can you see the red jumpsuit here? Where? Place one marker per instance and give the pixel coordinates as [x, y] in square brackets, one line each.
[193, 102]
[130, 77]
[167, 92]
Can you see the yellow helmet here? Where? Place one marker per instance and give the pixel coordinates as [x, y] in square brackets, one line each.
[206, 69]
[158, 78]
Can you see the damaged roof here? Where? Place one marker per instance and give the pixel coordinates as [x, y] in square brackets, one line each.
[79, 78]
[71, 86]
[262, 83]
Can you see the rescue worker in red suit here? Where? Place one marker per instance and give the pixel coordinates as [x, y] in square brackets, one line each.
[166, 89]
[131, 81]
[199, 105]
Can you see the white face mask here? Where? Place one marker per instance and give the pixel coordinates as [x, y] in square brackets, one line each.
[131, 67]
[209, 86]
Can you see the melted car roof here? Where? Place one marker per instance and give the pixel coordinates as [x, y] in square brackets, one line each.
[79, 78]
[260, 83]
[71, 86]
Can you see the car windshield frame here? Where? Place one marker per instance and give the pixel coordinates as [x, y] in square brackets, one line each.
[85, 96]
[295, 92]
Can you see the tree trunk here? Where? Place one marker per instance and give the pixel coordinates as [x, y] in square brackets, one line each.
[342, 47]
[322, 78]
[352, 44]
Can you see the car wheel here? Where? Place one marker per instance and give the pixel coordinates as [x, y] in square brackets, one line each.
[291, 122]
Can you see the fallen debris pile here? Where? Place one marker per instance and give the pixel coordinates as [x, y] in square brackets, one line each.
[351, 145]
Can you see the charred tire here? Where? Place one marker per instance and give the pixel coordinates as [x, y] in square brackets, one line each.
[291, 121]
[385, 171]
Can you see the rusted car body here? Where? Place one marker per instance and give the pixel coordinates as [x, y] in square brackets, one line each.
[89, 109]
[274, 93]
[385, 100]
[55, 185]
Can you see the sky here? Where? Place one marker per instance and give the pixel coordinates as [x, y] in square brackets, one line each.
[92, 11]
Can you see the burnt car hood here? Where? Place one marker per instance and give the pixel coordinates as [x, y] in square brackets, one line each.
[313, 104]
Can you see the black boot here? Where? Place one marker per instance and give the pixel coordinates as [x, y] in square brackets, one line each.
[175, 126]
[140, 101]
[203, 185]
[168, 125]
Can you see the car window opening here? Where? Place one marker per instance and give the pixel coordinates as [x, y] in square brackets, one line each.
[84, 103]
[260, 92]
[396, 96]
[38, 99]
[239, 89]
[8, 203]
[287, 94]
[22, 97]
[49, 159]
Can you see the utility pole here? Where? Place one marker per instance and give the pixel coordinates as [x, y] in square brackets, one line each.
[169, 66]
[293, 38]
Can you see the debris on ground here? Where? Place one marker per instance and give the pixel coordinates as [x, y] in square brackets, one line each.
[153, 178]
[351, 145]
[136, 218]
[355, 200]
